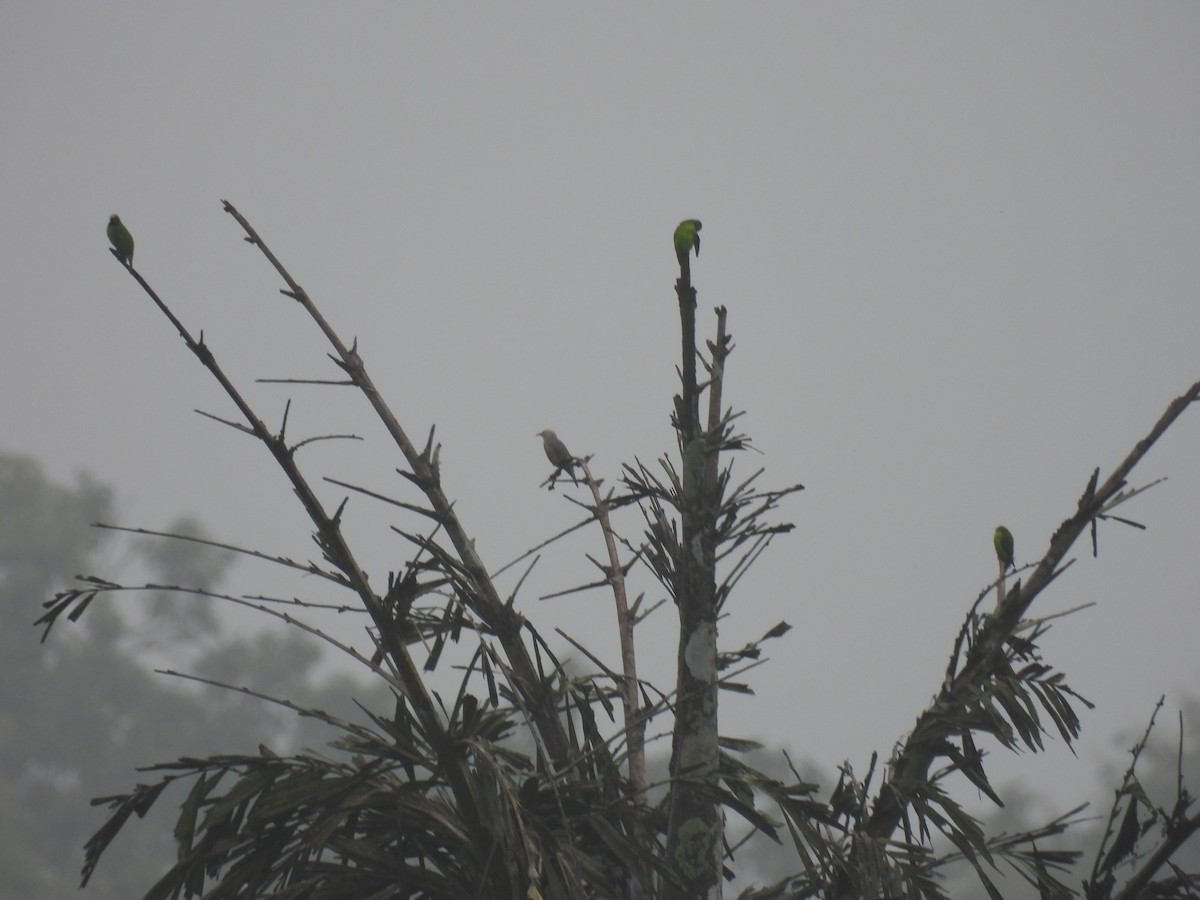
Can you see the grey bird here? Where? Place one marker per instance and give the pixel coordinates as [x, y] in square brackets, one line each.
[557, 452]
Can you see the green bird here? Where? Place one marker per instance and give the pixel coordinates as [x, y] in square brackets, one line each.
[121, 239]
[687, 237]
[1003, 540]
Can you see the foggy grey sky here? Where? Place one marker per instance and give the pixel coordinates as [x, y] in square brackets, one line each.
[958, 244]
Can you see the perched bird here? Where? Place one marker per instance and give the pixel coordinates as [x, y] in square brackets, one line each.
[1003, 540]
[687, 237]
[557, 452]
[121, 239]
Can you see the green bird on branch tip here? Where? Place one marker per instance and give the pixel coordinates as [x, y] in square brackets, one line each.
[1003, 540]
[687, 238]
[121, 239]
